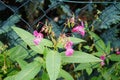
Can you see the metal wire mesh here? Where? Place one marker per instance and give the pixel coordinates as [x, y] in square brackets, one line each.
[45, 13]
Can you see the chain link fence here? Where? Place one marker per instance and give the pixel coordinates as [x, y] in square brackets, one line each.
[31, 12]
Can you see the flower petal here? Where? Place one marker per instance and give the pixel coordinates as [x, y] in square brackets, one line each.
[102, 57]
[68, 45]
[118, 52]
[102, 63]
[75, 29]
[37, 41]
[82, 24]
[35, 33]
[79, 29]
[40, 35]
[69, 52]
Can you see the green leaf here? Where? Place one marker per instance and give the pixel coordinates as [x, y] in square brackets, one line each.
[99, 44]
[39, 59]
[53, 62]
[28, 38]
[1, 59]
[76, 40]
[79, 57]
[10, 78]
[17, 52]
[46, 42]
[83, 66]
[98, 54]
[114, 57]
[65, 75]
[108, 48]
[45, 76]
[29, 71]
[22, 63]
[89, 70]
[87, 47]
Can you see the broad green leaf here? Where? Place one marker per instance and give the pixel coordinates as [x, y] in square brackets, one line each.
[83, 66]
[65, 75]
[45, 76]
[99, 44]
[108, 48]
[106, 75]
[22, 63]
[29, 71]
[114, 77]
[17, 52]
[114, 57]
[1, 59]
[46, 42]
[53, 62]
[39, 59]
[98, 54]
[10, 77]
[79, 57]
[28, 38]
[87, 47]
[76, 40]
[89, 70]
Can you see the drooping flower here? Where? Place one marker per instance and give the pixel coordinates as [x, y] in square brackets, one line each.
[35, 33]
[102, 63]
[102, 58]
[118, 52]
[68, 47]
[38, 37]
[79, 29]
[37, 41]
[69, 52]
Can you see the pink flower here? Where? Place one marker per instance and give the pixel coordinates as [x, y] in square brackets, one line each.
[102, 58]
[102, 63]
[68, 45]
[118, 52]
[37, 41]
[35, 33]
[69, 52]
[79, 29]
[38, 37]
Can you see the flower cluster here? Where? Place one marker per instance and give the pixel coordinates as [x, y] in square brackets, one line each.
[79, 29]
[38, 37]
[102, 58]
[68, 47]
